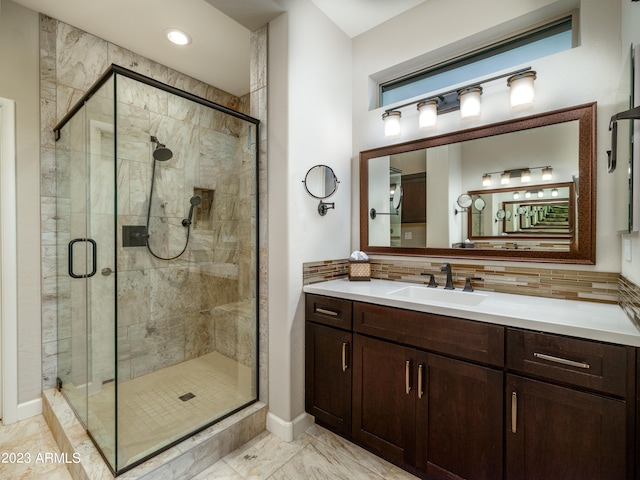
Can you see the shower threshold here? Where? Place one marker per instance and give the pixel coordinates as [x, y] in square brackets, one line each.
[142, 399]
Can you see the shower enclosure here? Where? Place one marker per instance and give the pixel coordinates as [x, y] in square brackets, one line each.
[157, 264]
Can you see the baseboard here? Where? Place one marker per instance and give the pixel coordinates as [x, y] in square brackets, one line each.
[287, 431]
[29, 409]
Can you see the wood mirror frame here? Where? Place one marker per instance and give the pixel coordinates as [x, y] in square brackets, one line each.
[582, 249]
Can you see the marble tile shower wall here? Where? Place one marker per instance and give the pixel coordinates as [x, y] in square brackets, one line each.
[166, 310]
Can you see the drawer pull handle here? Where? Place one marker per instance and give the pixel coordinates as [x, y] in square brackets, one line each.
[563, 361]
[326, 312]
[514, 412]
[407, 377]
[420, 389]
[344, 357]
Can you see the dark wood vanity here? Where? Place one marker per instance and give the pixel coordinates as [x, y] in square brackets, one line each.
[444, 397]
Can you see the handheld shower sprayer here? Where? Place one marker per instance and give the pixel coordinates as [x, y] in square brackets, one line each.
[195, 201]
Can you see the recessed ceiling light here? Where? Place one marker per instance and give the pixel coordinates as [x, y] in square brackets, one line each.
[177, 37]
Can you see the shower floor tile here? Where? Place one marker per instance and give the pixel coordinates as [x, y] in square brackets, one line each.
[161, 407]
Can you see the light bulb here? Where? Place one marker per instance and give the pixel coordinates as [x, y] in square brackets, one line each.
[428, 114]
[391, 123]
[470, 102]
[522, 92]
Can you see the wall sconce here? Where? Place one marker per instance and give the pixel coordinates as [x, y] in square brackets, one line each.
[521, 89]
[470, 102]
[391, 123]
[523, 173]
[466, 99]
[428, 114]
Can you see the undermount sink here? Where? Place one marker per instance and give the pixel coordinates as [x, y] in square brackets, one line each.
[440, 295]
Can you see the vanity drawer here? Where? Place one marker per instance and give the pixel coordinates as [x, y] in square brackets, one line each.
[333, 312]
[465, 339]
[584, 363]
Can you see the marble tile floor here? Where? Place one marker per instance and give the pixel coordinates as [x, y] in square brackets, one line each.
[315, 455]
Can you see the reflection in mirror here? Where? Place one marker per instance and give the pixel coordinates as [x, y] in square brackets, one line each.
[437, 171]
[320, 182]
[538, 217]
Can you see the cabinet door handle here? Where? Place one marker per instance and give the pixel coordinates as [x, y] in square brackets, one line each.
[563, 361]
[344, 357]
[420, 389]
[326, 312]
[514, 412]
[407, 377]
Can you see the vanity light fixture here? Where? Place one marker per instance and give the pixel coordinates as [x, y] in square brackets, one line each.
[523, 173]
[391, 123]
[428, 114]
[521, 92]
[540, 193]
[465, 98]
[516, 195]
[177, 37]
[554, 192]
[470, 102]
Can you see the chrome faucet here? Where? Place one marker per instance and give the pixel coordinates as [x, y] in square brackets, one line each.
[447, 268]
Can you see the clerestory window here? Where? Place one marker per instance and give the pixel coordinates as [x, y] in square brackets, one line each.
[544, 41]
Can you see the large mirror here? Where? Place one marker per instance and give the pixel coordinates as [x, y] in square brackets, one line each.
[528, 186]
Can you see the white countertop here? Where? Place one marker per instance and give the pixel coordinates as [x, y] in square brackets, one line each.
[595, 321]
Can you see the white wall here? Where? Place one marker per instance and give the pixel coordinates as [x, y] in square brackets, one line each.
[309, 123]
[631, 35]
[590, 72]
[19, 82]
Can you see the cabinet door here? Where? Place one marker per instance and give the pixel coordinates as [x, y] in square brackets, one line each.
[459, 415]
[328, 377]
[384, 398]
[558, 433]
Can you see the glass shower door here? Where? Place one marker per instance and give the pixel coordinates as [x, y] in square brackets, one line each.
[85, 155]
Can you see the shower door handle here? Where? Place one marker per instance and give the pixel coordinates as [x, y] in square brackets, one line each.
[93, 257]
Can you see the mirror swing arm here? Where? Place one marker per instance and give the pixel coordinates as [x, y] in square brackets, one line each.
[322, 178]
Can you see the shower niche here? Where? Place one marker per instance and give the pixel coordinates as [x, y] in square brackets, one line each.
[162, 342]
[203, 218]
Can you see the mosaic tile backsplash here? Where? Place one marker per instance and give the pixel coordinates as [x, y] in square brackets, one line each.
[544, 282]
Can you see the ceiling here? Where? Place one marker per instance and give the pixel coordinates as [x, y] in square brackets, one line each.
[220, 29]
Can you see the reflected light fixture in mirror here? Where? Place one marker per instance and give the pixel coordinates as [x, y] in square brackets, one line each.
[521, 93]
[470, 102]
[428, 114]
[391, 123]
[554, 192]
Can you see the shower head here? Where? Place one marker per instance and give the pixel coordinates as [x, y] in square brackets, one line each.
[161, 152]
[195, 200]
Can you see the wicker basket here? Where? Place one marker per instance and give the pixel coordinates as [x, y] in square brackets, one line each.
[359, 270]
